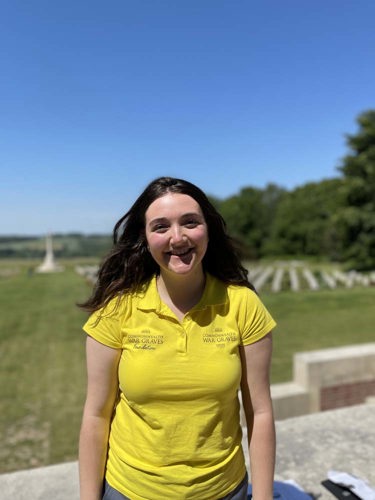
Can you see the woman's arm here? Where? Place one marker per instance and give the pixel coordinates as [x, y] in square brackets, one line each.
[255, 387]
[102, 388]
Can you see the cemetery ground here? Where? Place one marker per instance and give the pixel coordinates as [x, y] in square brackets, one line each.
[42, 351]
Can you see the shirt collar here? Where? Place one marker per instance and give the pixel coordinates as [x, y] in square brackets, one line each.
[215, 293]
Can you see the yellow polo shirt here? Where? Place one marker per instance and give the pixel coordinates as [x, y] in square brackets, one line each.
[176, 432]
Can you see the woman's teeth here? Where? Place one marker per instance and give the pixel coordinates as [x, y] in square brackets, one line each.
[180, 252]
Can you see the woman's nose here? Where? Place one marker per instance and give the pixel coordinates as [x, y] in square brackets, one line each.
[177, 234]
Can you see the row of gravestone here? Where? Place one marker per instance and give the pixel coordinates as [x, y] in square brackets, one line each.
[88, 272]
[279, 278]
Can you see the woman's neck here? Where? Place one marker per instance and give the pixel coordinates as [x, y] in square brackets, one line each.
[181, 293]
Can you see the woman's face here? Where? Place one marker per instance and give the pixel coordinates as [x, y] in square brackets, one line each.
[176, 233]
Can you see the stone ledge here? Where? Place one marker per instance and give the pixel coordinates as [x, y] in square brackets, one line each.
[308, 446]
[316, 369]
[342, 439]
[55, 482]
[326, 379]
[289, 399]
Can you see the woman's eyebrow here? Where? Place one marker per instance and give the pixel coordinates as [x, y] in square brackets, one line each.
[192, 214]
[183, 216]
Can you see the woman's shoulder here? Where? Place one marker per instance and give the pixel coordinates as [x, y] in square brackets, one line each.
[232, 291]
[118, 304]
[127, 300]
[240, 290]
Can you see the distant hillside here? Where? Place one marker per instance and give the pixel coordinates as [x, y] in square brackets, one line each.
[64, 246]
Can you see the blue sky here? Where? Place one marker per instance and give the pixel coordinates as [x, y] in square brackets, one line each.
[98, 98]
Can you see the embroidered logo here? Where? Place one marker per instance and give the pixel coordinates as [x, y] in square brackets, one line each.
[219, 337]
[145, 340]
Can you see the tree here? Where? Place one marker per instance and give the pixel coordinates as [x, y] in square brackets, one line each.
[249, 216]
[303, 224]
[356, 219]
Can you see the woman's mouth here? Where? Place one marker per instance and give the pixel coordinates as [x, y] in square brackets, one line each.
[180, 253]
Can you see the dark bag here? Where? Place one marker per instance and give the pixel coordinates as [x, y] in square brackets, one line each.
[339, 491]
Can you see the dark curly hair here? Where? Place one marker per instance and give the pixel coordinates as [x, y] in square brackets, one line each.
[129, 265]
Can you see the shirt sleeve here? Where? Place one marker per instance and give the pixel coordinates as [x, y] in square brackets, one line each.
[104, 325]
[256, 321]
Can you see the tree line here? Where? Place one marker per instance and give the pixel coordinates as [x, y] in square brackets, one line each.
[332, 219]
[65, 246]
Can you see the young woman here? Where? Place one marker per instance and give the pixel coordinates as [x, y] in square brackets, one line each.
[176, 330]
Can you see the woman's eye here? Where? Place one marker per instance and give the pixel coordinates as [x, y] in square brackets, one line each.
[191, 224]
[159, 228]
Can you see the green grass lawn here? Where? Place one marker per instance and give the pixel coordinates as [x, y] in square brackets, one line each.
[317, 320]
[42, 353]
[42, 368]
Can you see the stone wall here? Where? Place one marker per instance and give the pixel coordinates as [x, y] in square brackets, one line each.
[327, 379]
[337, 396]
